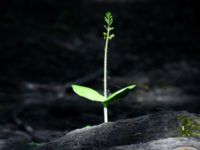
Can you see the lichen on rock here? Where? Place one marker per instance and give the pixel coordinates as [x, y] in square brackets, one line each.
[189, 127]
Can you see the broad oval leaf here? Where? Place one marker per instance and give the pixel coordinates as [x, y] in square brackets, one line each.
[118, 94]
[88, 93]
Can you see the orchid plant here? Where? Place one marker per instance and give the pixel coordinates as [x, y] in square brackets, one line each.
[92, 94]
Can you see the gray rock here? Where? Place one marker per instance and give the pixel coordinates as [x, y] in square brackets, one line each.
[164, 144]
[13, 140]
[123, 132]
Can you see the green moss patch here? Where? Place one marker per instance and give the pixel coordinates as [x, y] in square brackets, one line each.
[189, 127]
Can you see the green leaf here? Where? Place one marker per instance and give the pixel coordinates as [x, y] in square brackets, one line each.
[88, 93]
[118, 94]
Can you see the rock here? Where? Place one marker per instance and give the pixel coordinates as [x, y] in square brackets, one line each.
[164, 144]
[13, 140]
[45, 135]
[131, 132]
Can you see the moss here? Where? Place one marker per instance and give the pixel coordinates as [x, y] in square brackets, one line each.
[188, 126]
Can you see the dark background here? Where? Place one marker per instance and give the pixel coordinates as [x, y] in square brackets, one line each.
[46, 45]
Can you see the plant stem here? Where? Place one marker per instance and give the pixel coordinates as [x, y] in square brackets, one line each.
[105, 109]
[105, 73]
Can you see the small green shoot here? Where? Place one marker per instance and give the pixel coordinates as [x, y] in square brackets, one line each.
[93, 95]
[88, 126]
[34, 144]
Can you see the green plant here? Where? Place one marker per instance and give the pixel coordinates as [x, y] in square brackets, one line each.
[93, 95]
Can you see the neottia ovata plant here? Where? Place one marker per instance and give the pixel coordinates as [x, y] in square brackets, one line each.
[93, 95]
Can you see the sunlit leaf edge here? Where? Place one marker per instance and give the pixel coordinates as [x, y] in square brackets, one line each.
[118, 94]
[88, 93]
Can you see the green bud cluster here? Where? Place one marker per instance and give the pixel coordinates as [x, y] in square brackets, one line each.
[109, 21]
